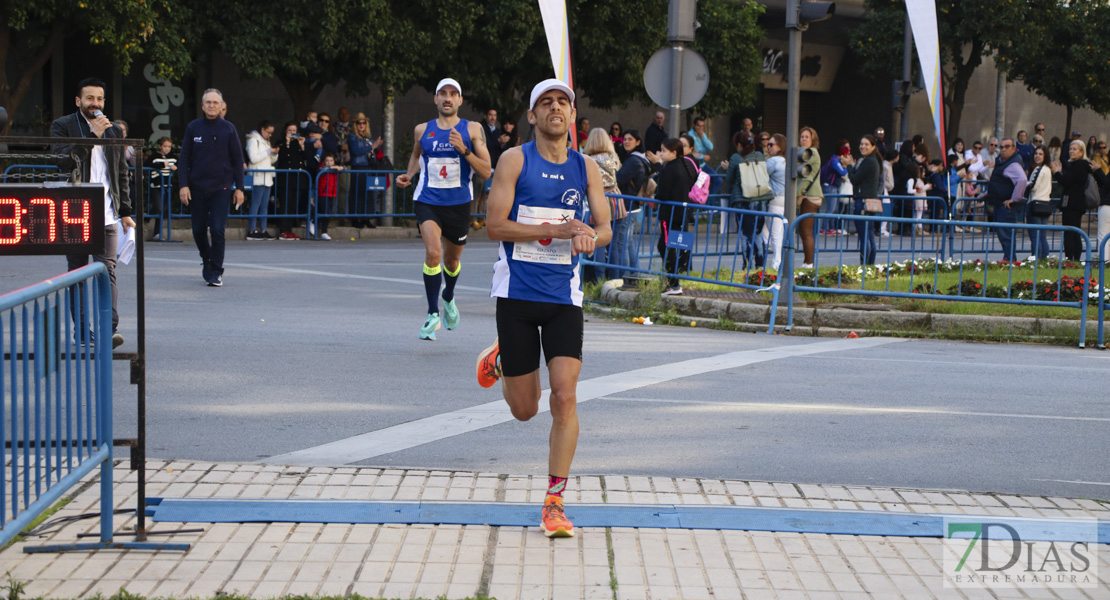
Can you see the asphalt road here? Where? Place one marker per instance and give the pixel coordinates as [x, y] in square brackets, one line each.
[309, 353]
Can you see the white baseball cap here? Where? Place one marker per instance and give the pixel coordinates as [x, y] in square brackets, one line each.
[546, 86]
[446, 81]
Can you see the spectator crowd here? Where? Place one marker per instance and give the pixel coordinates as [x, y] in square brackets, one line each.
[1007, 180]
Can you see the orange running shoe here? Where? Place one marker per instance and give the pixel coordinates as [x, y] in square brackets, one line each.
[489, 365]
[555, 523]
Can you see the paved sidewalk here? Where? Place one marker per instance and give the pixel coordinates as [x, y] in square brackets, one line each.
[425, 561]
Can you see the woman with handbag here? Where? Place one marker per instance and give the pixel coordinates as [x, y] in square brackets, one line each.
[810, 196]
[866, 176]
[747, 167]
[1100, 168]
[1073, 175]
[675, 181]
[1040, 209]
[599, 147]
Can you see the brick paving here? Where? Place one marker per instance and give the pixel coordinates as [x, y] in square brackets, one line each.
[429, 561]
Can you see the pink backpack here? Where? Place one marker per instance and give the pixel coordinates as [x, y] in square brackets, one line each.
[700, 192]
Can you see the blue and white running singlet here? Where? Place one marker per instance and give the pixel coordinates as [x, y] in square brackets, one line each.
[544, 270]
[444, 173]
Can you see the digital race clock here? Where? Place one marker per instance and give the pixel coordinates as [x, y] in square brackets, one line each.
[51, 219]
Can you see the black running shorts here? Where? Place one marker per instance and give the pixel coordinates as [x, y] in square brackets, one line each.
[453, 221]
[524, 326]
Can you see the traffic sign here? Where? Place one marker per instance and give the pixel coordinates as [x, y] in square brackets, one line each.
[658, 77]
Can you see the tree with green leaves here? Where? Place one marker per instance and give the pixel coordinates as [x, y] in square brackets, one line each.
[1065, 57]
[31, 30]
[302, 44]
[970, 30]
[611, 43]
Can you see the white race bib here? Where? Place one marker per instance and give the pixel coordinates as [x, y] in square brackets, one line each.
[444, 172]
[550, 251]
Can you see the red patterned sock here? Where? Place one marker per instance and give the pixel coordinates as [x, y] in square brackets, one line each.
[556, 486]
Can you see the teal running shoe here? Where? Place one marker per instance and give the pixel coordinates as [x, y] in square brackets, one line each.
[428, 331]
[450, 314]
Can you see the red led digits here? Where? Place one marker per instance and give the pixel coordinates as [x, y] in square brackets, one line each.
[83, 221]
[12, 222]
[38, 221]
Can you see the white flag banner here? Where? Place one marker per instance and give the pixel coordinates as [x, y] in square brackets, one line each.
[926, 36]
[555, 25]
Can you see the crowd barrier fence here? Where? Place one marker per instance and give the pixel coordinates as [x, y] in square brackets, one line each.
[960, 259]
[739, 259]
[57, 395]
[1102, 297]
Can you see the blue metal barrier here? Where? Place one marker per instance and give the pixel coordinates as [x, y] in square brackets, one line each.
[734, 254]
[359, 194]
[1102, 299]
[32, 173]
[917, 241]
[959, 258]
[158, 186]
[57, 403]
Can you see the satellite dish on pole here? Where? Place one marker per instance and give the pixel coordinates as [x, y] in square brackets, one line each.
[658, 78]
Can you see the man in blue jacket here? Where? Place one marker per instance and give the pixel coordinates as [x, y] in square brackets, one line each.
[209, 168]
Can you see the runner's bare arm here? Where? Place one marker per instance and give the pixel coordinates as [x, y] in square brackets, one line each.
[599, 208]
[502, 193]
[414, 160]
[479, 156]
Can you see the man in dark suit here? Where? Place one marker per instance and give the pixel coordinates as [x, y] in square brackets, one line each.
[106, 165]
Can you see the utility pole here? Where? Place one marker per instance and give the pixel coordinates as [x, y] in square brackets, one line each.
[681, 24]
[799, 14]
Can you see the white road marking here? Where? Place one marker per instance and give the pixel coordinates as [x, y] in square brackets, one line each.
[978, 365]
[1070, 481]
[419, 282]
[442, 426]
[801, 407]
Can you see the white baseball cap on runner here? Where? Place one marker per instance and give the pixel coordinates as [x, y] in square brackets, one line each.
[446, 81]
[546, 86]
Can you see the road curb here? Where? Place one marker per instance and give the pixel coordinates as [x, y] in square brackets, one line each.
[838, 322]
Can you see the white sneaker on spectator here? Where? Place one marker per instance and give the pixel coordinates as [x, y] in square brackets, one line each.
[807, 265]
[311, 229]
[325, 236]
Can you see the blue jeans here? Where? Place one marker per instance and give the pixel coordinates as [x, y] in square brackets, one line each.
[865, 232]
[1006, 235]
[831, 206]
[1038, 238]
[751, 227]
[209, 214]
[260, 203]
[618, 252]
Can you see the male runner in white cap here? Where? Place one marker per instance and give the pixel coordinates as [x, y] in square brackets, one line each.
[536, 208]
[448, 150]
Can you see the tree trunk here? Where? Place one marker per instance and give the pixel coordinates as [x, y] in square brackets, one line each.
[1000, 107]
[1067, 131]
[388, 134]
[10, 98]
[964, 71]
[302, 92]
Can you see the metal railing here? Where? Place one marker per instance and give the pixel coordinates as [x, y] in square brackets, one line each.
[923, 284]
[1102, 297]
[736, 260]
[57, 403]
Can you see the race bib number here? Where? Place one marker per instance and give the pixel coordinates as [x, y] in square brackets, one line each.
[550, 251]
[444, 172]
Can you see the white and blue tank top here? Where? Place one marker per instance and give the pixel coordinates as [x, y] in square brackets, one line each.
[444, 173]
[543, 270]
